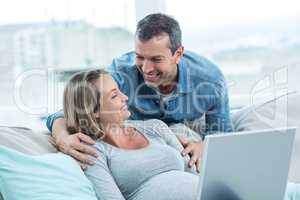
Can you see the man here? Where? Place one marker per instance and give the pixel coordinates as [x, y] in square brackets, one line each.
[162, 81]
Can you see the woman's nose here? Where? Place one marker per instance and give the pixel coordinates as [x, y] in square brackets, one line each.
[125, 98]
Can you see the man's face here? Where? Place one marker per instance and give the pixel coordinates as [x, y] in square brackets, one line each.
[155, 61]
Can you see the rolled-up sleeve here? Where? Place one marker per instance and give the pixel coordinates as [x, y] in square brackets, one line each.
[51, 118]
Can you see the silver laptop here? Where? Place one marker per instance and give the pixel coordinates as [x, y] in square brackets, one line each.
[250, 165]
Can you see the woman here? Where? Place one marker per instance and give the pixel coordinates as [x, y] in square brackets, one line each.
[136, 159]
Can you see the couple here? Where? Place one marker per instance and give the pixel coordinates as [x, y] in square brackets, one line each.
[134, 159]
[161, 81]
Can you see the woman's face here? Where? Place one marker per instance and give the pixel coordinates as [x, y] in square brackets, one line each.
[113, 103]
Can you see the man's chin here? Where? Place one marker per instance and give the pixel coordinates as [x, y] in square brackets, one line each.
[152, 84]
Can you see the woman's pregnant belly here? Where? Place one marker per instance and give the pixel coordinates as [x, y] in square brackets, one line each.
[171, 185]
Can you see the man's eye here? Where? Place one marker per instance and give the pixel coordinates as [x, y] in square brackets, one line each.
[156, 60]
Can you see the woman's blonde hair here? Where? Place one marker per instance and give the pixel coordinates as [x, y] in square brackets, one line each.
[81, 101]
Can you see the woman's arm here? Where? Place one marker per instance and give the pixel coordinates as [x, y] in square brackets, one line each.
[104, 184]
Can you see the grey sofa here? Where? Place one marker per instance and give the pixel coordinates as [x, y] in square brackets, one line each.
[280, 112]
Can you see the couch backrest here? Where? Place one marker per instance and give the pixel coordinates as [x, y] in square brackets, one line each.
[280, 112]
[25, 140]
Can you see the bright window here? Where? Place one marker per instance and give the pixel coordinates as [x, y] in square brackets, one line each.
[255, 43]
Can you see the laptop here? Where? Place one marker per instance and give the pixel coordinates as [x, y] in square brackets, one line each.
[250, 165]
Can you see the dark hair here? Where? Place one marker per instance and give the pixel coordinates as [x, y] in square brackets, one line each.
[156, 24]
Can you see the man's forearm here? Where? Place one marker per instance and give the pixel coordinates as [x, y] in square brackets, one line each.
[76, 145]
[59, 129]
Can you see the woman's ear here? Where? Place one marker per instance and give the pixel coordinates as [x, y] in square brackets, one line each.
[97, 115]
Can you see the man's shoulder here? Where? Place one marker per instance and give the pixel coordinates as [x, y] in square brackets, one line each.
[123, 69]
[199, 68]
[125, 62]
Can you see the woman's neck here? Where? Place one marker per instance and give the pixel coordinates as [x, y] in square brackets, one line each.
[116, 134]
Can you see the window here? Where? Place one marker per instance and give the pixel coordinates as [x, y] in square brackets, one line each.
[255, 43]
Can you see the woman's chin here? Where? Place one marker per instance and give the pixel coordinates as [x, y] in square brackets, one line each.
[126, 114]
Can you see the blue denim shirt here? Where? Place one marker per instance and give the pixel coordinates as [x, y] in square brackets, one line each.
[201, 91]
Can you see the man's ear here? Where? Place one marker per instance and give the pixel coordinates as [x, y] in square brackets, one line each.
[178, 54]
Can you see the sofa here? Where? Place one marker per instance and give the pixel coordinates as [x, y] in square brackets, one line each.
[282, 111]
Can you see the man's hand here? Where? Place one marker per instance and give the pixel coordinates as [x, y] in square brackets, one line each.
[77, 146]
[194, 150]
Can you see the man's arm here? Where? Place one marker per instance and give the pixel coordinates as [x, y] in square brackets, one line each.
[76, 145]
[59, 130]
[218, 118]
[52, 118]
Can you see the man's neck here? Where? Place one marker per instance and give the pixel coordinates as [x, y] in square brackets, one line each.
[167, 88]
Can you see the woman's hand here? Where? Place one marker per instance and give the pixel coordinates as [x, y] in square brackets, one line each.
[194, 150]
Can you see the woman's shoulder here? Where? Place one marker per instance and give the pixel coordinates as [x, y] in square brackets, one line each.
[148, 122]
[102, 148]
[153, 127]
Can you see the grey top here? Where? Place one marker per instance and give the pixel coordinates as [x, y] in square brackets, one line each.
[157, 171]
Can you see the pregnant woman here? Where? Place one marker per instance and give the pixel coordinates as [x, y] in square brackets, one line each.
[137, 160]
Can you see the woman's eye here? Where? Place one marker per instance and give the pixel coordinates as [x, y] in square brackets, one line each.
[114, 96]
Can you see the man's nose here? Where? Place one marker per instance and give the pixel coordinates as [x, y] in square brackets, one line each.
[147, 67]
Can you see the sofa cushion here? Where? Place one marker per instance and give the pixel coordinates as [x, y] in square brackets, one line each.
[25, 140]
[49, 176]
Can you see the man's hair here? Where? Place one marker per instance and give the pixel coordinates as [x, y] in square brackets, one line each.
[155, 25]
